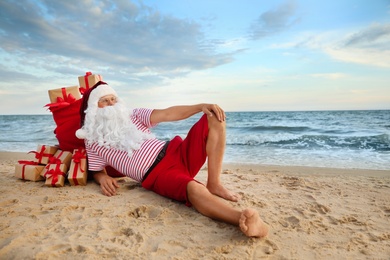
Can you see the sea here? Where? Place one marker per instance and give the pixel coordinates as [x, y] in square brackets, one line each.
[358, 139]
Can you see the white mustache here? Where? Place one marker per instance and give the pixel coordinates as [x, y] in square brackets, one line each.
[107, 112]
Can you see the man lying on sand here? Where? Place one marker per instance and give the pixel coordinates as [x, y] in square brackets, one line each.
[120, 138]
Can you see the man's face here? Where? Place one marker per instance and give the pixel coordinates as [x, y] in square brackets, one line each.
[108, 100]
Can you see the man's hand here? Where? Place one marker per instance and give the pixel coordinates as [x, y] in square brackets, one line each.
[213, 109]
[108, 185]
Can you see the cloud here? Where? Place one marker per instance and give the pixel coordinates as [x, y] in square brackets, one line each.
[369, 45]
[366, 57]
[375, 36]
[331, 76]
[132, 39]
[274, 21]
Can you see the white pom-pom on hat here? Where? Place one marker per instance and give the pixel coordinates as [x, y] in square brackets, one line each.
[81, 134]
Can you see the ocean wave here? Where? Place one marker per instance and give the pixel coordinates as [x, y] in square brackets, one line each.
[291, 141]
[275, 129]
[285, 129]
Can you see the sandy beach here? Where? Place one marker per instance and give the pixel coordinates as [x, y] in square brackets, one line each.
[313, 213]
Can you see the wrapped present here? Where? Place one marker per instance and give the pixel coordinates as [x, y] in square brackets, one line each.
[29, 170]
[43, 153]
[63, 96]
[59, 157]
[88, 80]
[55, 175]
[78, 173]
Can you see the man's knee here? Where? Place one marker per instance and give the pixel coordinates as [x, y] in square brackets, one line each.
[195, 189]
[214, 123]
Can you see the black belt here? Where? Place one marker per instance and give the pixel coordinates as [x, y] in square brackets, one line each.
[160, 156]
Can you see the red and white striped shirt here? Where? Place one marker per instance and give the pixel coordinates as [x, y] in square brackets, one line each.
[135, 166]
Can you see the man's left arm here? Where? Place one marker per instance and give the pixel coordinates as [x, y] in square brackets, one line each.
[176, 113]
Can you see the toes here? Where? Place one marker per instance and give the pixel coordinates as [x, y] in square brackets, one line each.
[242, 223]
[232, 196]
[224, 193]
[236, 197]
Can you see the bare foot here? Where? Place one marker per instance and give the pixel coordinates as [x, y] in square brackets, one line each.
[251, 224]
[222, 192]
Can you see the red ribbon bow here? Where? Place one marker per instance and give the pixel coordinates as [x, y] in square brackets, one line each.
[54, 173]
[87, 74]
[53, 160]
[78, 155]
[63, 101]
[41, 154]
[68, 99]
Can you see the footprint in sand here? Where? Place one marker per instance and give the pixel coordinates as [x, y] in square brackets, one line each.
[386, 210]
[9, 203]
[128, 184]
[268, 248]
[292, 183]
[351, 220]
[378, 237]
[226, 249]
[129, 232]
[292, 222]
[146, 212]
[311, 197]
[227, 172]
[316, 207]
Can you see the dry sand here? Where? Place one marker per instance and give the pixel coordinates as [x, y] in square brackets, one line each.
[313, 213]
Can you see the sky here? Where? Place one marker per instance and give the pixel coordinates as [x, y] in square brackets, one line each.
[247, 55]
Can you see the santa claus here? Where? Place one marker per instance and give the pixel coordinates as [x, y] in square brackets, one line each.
[121, 138]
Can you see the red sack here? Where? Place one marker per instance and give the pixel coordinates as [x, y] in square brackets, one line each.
[67, 119]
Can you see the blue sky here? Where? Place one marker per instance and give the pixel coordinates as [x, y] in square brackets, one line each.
[243, 55]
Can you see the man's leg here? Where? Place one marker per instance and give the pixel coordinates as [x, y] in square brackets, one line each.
[215, 149]
[213, 207]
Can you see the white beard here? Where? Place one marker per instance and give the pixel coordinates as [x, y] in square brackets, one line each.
[112, 127]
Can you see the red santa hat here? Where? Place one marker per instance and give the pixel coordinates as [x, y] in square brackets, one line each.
[90, 103]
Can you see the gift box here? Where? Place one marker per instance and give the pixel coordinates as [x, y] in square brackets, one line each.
[88, 80]
[59, 157]
[29, 170]
[43, 153]
[78, 173]
[65, 94]
[55, 175]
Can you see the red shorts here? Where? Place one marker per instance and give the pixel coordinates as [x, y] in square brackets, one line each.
[181, 163]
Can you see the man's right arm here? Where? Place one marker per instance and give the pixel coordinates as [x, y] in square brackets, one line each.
[108, 185]
[176, 113]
